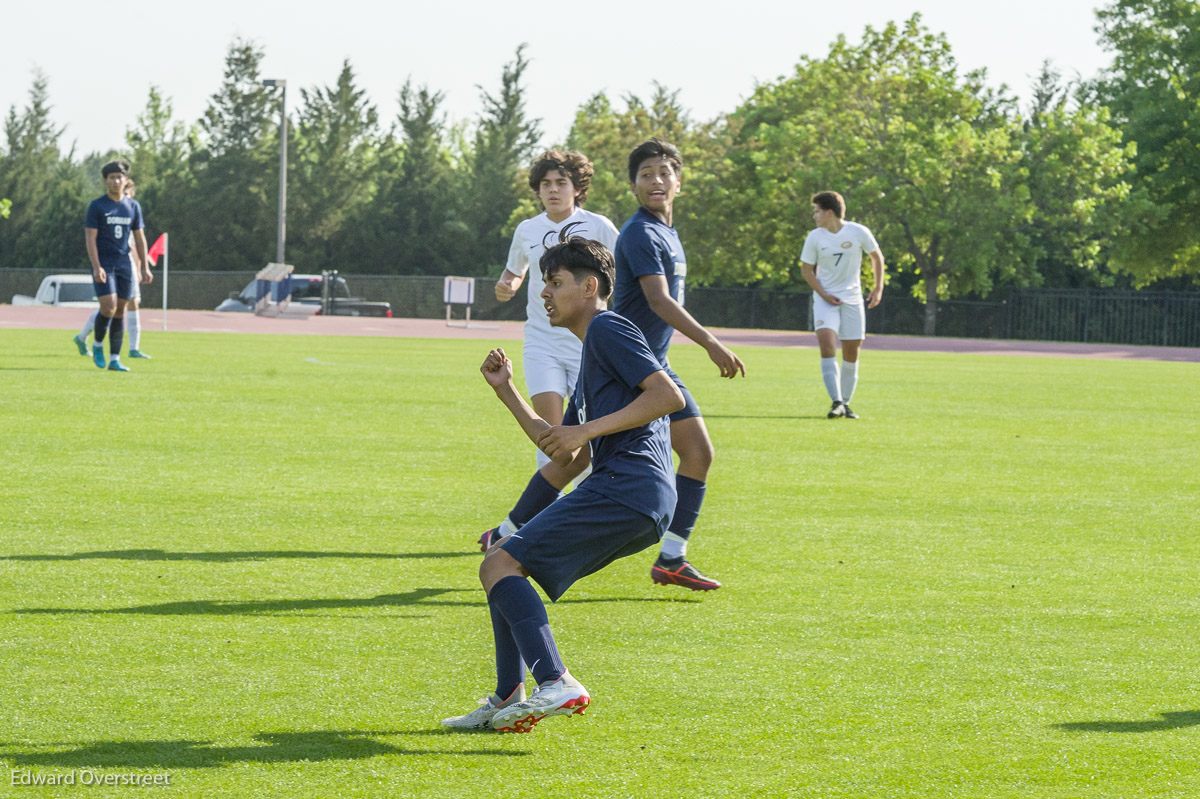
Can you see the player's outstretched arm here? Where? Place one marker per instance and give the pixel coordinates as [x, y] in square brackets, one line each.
[660, 396]
[662, 303]
[497, 371]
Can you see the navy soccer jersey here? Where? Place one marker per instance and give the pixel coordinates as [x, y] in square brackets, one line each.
[648, 246]
[114, 223]
[632, 467]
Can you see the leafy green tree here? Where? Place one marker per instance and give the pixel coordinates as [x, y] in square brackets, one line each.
[927, 157]
[1153, 89]
[607, 136]
[231, 214]
[160, 154]
[1076, 167]
[48, 191]
[410, 228]
[334, 176]
[504, 142]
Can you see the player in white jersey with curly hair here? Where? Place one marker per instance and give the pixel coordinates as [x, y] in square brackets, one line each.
[831, 263]
[551, 355]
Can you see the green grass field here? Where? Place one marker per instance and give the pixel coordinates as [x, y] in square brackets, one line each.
[250, 565]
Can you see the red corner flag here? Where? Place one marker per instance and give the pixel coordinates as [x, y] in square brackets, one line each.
[157, 249]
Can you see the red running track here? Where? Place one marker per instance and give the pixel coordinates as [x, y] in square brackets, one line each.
[41, 318]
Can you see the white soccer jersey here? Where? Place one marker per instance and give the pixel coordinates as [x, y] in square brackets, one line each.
[529, 242]
[838, 258]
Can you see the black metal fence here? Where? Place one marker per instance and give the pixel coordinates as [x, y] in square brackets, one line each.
[1163, 318]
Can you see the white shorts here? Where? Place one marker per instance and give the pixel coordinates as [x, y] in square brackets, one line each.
[549, 368]
[848, 320]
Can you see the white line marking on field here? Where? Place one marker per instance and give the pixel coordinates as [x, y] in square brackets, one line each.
[345, 365]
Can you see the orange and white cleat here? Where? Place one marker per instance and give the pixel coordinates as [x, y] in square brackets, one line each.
[563, 697]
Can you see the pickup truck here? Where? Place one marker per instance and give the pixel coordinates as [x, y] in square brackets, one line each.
[308, 291]
[63, 291]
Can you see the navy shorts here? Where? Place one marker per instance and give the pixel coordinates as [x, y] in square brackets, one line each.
[690, 409]
[577, 535]
[119, 282]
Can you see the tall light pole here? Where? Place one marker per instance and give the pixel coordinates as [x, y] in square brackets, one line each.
[282, 229]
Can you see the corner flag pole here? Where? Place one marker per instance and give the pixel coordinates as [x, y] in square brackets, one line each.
[166, 274]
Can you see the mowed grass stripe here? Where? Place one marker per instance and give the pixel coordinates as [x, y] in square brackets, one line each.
[250, 563]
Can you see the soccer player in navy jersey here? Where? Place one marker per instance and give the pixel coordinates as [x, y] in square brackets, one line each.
[112, 220]
[650, 269]
[615, 419]
[132, 315]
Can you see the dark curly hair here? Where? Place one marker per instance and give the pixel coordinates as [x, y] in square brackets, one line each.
[572, 163]
[581, 257]
[830, 201]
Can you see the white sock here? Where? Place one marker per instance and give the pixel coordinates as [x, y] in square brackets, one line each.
[507, 527]
[133, 329]
[673, 547]
[829, 372]
[89, 326]
[849, 379]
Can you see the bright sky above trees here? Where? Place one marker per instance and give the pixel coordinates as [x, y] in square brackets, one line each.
[100, 65]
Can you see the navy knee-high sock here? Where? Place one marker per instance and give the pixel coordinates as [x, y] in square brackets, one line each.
[510, 666]
[687, 507]
[516, 598]
[101, 328]
[536, 497]
[116, 337]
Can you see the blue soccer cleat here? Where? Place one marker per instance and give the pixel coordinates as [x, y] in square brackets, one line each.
[117, 366]
[138, 354]
[98, 355]
[81, 344]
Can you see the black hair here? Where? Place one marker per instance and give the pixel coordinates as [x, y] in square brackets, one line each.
[120, 165]
[654, 148]
[581, 257]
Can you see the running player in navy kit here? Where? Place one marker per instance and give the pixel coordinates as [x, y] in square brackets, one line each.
[111, 221]
[615, 418]
[651, 267]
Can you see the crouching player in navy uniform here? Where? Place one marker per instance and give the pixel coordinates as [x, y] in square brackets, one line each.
[616, 418]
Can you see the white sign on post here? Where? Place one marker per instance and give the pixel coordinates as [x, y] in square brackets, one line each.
[458, 291]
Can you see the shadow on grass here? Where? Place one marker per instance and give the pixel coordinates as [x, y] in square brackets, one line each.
[787, 417]
[273, 747]
[419, 596]
[231, 557]
[217, 608]
[1175, 720]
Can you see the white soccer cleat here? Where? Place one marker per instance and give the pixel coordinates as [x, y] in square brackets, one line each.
[564, 697]
[480, 718]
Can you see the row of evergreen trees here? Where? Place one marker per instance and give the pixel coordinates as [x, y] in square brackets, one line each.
[1091, 184]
